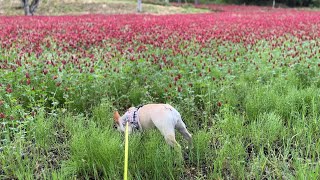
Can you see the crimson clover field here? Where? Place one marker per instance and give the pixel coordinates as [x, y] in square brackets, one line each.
[245, 80]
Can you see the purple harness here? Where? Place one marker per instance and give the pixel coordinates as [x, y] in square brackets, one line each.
[131, 116]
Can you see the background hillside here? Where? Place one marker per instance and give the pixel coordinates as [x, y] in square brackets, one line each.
[73, 7]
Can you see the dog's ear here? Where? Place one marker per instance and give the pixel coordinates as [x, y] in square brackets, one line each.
[116, 117]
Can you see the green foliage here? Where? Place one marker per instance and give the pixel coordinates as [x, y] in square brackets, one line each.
[289, 3]
[93, 153]
[159, 2]
[251, 116]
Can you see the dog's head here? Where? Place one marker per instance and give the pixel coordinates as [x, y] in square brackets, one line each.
[119, 122]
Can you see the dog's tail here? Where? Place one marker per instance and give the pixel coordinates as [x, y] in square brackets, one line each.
[181, 126]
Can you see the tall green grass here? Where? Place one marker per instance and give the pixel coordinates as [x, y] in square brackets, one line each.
[248, 124]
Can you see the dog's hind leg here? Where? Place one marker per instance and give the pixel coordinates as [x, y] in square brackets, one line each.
[167, 132]
[171, 140]
[181, 127]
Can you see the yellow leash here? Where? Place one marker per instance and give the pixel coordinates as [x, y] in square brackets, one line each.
[126, 149]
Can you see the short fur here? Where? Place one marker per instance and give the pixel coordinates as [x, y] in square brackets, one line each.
[162, 116]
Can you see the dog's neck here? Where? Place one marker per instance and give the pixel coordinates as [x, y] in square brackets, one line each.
[131, 116]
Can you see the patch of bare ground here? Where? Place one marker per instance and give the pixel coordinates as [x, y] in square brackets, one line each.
[74, 7]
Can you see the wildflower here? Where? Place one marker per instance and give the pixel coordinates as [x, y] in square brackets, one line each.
[45, 71]
[2, 115]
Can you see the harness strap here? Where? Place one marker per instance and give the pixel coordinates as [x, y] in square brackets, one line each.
[132, 118]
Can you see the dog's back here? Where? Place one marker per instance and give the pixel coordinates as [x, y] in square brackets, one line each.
[166, 119]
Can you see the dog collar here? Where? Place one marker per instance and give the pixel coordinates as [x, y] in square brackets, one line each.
[132, 118]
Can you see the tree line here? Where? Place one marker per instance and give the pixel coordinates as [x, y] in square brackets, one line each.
[289, 3]
[30, 6]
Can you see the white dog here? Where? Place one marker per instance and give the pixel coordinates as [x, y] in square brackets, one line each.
[163, 116]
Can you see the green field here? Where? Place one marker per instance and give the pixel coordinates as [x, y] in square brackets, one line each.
[246, 83]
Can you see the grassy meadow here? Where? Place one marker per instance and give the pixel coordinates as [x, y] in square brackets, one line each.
[245, 82]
